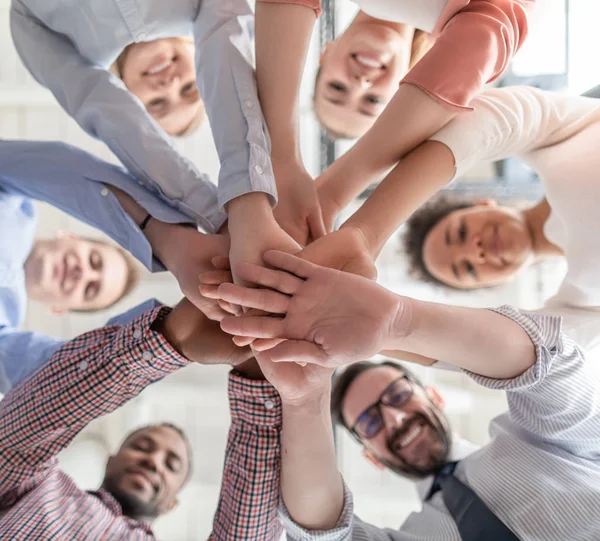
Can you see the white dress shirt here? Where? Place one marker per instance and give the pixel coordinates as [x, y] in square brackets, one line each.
[68, 47]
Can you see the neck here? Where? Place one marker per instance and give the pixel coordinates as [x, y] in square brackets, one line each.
[29, 272]
[535, 218]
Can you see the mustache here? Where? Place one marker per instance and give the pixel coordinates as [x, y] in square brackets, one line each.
[406, 427]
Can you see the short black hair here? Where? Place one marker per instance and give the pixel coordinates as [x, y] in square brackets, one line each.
[343, 380]
[173, 427]
[418, 227]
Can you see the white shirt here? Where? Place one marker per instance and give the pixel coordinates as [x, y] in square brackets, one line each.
[422, 14]
[557, 135]
[68, 47]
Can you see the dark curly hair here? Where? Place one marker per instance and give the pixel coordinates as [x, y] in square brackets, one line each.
[418, 227]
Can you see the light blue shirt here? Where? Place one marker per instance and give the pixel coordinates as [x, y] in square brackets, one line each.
[73, 181]
[540, 472]
[69, 46]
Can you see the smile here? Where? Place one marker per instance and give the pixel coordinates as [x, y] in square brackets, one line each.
[158, 68]
[368, 62]
[412, 435]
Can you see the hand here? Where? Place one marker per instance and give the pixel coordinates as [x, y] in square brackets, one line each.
[253, 231]
[189, 254]
[345, 250]
[199, 339]
[298, 211]
[296, 384]
[329, 207]
[332, 318]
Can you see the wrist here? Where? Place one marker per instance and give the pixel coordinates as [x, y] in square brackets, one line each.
[161, 237]
[250, 206]
[249, 370]
[310, 404]
[400, 322]
[364, 234]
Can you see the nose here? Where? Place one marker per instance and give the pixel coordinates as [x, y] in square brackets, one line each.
[363, 81]
[476, 251]
[167, 78]
[393, 417]
[150, 462]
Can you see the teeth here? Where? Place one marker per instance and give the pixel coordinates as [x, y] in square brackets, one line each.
[411, 436]
[368, 62]
[160, 68]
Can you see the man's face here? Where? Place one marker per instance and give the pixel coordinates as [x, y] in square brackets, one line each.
[481, 246]
[412, 438]
[69, 273]
[148, 472]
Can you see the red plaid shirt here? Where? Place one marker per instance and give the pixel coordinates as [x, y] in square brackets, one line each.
[94, 375]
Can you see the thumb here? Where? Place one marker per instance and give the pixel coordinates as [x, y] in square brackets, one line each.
[316, 224]
[297, 351]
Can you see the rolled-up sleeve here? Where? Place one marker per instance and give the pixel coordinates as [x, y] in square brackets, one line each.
[473, 48]
[227, 84]
[557, 400]
[104, 108]
[315, 5]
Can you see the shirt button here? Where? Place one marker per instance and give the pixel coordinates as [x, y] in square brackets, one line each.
[137, 334]
[249, 104]
[141, 36]
[140, 182]
[83, 365]
[269, 405]
[147, 356]
[258, 169]
[104, 192]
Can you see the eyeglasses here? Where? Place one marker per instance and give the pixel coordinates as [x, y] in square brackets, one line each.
[370, 422]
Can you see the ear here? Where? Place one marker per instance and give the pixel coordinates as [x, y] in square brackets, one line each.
[373, 459]
[435, 396]
[486, 203]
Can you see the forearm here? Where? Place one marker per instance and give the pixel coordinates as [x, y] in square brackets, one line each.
[283, 33]
[474, 339]
[416, 178]
[311, 484]
[409, 119]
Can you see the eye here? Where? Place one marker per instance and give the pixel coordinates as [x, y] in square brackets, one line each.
[374, 100]
[156, 104]
[338, 87]
[369, 423]
[470, 269]
[462, 232]
[91, 291]
[95, 260]
[188, 89]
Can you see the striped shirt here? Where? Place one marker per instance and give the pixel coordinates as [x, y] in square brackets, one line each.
[91, 376]
[540, 473]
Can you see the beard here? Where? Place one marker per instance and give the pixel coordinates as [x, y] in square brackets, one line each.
[439, 450]
[132, 505]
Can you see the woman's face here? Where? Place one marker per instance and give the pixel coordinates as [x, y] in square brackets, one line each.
[359, 74]
[161, 74]
[481, 246]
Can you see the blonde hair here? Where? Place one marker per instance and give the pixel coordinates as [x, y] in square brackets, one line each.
[199, 116]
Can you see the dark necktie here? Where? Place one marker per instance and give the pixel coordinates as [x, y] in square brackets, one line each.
[474, 519]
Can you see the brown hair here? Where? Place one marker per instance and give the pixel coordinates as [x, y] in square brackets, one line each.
[196, 121]
[421, 43]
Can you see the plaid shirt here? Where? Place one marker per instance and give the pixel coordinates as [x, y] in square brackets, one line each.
[91, 376]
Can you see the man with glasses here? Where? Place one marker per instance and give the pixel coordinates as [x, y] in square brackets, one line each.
[536, 479]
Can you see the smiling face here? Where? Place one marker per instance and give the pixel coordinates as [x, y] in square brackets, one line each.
[412, 437]
[359, 74]
[70, 273]
[148, 471]
[481, 246]
[162, 75]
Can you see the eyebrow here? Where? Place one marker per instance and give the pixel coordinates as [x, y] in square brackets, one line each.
[448, 241]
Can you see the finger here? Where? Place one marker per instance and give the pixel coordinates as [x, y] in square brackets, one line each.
[242, 341]
[253, 326]
[273, 279]
[221, 262]
[263, 344]
[290, 263]
[261, 299]
[216, 277]
[297, 351]
[317, 225]
[229, 308]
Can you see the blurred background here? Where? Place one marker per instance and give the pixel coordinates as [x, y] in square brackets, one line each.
[556, 56]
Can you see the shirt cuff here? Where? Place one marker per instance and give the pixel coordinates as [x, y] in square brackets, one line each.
[341, 532]
[151, 356]
[254, 402]
[545, 333]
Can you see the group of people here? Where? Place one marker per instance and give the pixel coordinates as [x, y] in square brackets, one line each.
[270, 289]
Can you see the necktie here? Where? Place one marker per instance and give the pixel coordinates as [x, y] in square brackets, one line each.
[474, 519]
